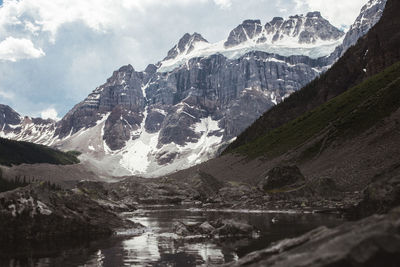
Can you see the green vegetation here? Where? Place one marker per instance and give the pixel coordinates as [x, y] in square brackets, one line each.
[74, 153]
[345, 116]
[15, 153]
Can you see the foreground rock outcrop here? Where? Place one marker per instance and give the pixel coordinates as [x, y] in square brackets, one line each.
[374, 241]
[40, 212]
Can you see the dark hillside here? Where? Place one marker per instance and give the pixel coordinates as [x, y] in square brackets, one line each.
[15, 153]
[343, 117]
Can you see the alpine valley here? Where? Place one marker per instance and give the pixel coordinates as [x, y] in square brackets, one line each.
[186, 108]
[277, 146]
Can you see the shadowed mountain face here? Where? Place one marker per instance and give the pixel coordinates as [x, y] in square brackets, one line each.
[183, 110]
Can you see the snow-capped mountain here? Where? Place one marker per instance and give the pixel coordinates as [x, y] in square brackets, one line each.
[182, 110]
[36, 130]
[186, 45]
[310, 35]
[370, 15]
[311, 29]
[153, 123]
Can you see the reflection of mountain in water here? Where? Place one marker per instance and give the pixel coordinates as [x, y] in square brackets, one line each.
[159, 245]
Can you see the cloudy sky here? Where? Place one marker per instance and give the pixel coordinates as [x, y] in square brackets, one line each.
[53, 53]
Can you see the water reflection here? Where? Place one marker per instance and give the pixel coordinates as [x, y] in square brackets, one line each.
[159, 246]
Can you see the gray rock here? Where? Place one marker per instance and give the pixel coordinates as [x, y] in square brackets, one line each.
[374, 241]
[180, 229]
[206, 228]
[247, 30]
[9, 116]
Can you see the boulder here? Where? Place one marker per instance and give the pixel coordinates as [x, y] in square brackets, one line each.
[181, 229]
[206, 228]
[281, 178]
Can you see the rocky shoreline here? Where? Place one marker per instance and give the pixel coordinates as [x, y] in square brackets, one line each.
[38, 212]
[203, 191]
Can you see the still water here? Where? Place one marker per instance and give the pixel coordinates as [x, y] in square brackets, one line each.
[159, 246]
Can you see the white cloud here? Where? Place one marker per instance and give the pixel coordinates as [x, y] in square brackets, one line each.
[14, 49]
[100, 15]
[223, 3]
[338, 12]
[49, 113]
[6, 95]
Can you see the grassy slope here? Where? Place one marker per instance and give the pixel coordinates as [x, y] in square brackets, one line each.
[15, 152]
[347, 115]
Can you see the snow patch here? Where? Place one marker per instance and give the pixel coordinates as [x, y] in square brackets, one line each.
[206, 144]
[288, 46]
[135, 155]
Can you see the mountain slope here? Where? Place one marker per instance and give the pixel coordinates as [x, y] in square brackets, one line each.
[377, 50]
[16, 152]
[341, 147]
[345, 116]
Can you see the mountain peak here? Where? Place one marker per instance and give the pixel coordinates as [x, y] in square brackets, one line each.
[8, 116]
[298, 29]
[245, 31]
[315, 14]
[251, 21]
[126, 68]
[185, 45]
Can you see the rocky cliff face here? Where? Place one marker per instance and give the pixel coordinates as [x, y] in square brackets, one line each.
[370, 15]
[181, 111]
[298, 29]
